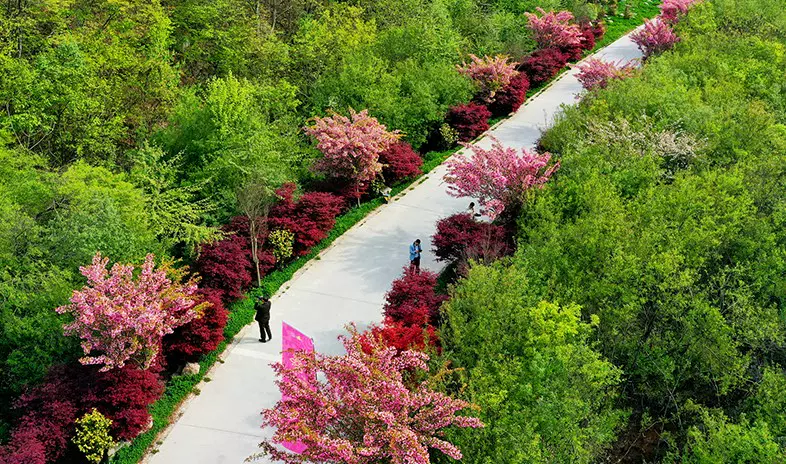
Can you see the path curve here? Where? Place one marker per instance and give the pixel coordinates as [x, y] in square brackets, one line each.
[348, 283]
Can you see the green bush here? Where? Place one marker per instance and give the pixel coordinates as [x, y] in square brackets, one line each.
[544, 394]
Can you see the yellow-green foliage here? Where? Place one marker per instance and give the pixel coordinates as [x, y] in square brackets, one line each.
[92, 435]
[282, 241]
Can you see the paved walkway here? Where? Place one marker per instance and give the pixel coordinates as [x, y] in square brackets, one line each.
[348, 283]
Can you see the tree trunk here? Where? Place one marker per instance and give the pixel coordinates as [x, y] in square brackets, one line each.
[252, 231]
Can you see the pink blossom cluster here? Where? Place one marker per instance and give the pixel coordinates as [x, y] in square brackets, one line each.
[498, 177]
[489, 73]
[672, 10]
[655, 37]
[596, 74]
[121, 318]
[554, 29]
[365, 411]
[351, 145]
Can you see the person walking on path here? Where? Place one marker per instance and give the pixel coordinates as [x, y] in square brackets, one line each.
[414, 256]
[262, 306]
[471, 210]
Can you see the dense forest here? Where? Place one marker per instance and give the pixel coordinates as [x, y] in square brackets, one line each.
[642, 316]
[129, 127]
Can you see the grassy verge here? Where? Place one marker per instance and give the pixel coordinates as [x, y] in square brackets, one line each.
[618, 26]
[242, 312]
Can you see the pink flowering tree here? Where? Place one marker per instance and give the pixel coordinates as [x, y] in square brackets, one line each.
[367, 410]
[655, 37]
[596, 74]
[351, 145]
[489, 73]
[554, 29]
[672, 10]
[122, 318]
[499, 177]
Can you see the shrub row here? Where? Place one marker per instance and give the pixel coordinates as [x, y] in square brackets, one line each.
[537, 68]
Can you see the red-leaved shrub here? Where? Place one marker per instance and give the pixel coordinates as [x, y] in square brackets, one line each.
[510, 98]
[400, 161]
[310, 218]
[588, 36]
[599, 30]
[403, 336]
[26, 446]
[412, 293]
[200, 336]
[43, 432]
[225, 265]
[573, 52]
[469, 120]
[541, 65]
[124, 396]
[460, 235]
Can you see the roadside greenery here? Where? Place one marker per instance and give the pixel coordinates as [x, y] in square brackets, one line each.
[131, 128]
[662, 236]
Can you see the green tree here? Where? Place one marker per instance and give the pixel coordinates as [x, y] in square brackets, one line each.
[545, 394]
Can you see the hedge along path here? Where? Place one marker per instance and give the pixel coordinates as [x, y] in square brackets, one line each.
[345, 283]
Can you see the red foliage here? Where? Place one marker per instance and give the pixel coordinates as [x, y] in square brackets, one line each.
[509, 99]
[460, 236]
[541, 65]
[225, 265]
[599, 30]
[411, 293]
[588, 36]
[202, 335]
[399, 162]
[574, 52]
[123, 395]
[469, 120]
[403, 336]
[24, 447]
[43, 432]
[310, 218]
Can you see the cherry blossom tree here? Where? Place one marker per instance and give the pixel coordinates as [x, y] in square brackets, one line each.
[554, 29]
[498, 177]
[672, 10]
[596, 74]
[351, 145]
[655, 37]
[122, 318]
[369, 409]
[489, 73]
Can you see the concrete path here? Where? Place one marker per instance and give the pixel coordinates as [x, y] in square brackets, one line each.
[348, 283]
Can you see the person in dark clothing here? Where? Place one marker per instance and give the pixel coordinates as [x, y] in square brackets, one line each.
[262, 306]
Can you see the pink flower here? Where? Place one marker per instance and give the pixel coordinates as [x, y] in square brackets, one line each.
[121, 318]
[351, 145]
[672, 10]
[498, 177]
[655, 37]
[489, 73]
[366, 411]
[596, 74]
[554, 29]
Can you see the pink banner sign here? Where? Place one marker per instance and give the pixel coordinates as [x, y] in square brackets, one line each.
[294, 340]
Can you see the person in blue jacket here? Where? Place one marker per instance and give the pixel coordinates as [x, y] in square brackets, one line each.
[414, 256]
